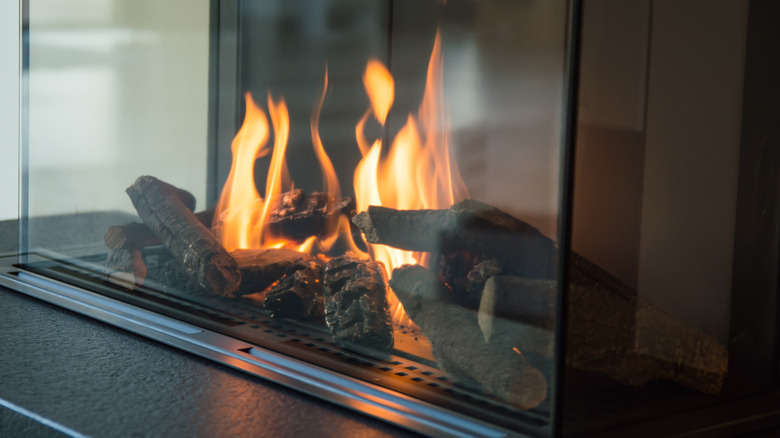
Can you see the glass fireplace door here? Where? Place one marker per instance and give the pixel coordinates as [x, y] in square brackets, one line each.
[387, 204]
[368, 193]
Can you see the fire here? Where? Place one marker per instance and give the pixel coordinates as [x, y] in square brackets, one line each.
[242, 214]
[380, 88]
[239, 200]
[415, 172]
[280, 119]
[418, 171]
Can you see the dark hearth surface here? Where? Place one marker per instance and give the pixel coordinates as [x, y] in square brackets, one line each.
[93, 379]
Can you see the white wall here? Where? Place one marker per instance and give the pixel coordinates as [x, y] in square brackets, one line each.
[83, 101]
[613, 69]
[9, 115]
[84, 97]
[610, 135]
[118, 89]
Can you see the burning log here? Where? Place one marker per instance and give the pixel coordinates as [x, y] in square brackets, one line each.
[295, 216]
[457, 341]
[466, 275]
[518, 299]
[356, 309]
[298, 216]
[453, 267]
[466, 226]
[125, 267]
[262, 267]
[187, 239]
[135, 235]
[298, 294]
[516, 312]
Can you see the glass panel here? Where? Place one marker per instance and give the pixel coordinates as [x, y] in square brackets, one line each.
[116, 89]
[671, 321]
[377, 184]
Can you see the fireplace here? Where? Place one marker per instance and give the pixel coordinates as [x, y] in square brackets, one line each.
[464, 218]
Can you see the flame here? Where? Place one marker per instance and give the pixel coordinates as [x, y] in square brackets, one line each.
[239, 200]
[330, 181]
[242, 214]
[418, 171]
[380, 87]
[415, 172]
[434, 117]
[280, 119]
[359, 133]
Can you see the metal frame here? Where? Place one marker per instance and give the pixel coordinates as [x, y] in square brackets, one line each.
[224, 79]
[566, 197]
[24, 125]
[755, 304]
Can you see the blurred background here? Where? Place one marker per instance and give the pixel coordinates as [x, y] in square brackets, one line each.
[9, 107]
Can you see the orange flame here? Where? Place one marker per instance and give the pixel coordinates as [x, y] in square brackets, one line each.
[380, 88]
[280, 119]
[433, 116]
[239, 200]
[418, 171]
[242, 214]
[330, 181]
[359, 133]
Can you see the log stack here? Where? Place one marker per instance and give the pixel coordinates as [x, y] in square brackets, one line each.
[505, 270]
[487, 303]
[292, 284]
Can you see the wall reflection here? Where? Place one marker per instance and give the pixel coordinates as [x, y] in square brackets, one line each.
[117, 89]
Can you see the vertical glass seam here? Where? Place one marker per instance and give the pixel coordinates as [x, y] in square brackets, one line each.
[568, 139]
[24, 130]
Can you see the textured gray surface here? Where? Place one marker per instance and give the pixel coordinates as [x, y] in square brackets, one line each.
[14, 424]
[101, 381]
